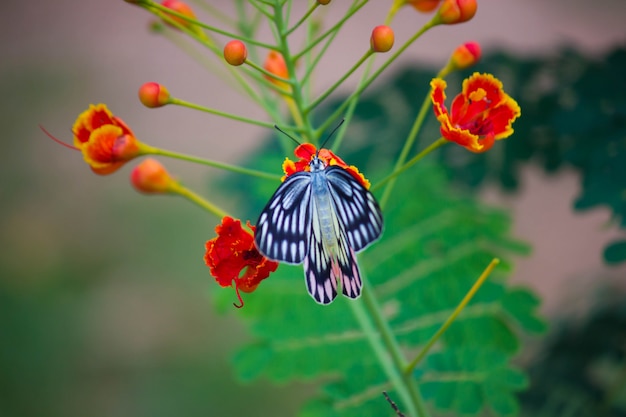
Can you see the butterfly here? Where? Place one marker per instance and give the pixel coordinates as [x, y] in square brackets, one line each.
[321, 218]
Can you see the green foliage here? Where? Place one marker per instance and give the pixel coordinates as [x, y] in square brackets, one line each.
[435, 245]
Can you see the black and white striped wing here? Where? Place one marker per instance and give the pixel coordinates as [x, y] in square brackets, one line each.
[325, 266]
[284, 226]
[358, 212]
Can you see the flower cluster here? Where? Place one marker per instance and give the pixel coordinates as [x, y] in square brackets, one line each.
[477, 117]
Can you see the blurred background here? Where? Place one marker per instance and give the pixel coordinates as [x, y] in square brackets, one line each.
[105, 303]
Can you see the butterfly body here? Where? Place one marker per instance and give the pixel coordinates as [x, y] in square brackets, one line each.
[321, 217]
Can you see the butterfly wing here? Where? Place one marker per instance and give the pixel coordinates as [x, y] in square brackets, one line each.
[284, 226]
[357, 209]
[324, 266]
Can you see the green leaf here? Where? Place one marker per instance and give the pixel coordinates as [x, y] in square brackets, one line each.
[435, 245]
[467, 380]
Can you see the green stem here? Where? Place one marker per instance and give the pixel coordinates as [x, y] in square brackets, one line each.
[436, 144]
[334, 28]
[233, 168]
[303, 19]
[470, 294]
[368, 313]
[375, 75]
[194, 106]
[196, 199]
[339, 81]
[162, 10]
[408, 144]
[296, 93]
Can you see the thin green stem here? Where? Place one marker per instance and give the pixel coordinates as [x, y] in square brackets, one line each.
[334, 28]
[375, 75]
[303, 19]
[296, 94]
[436, 144]
[269, 74]
[470, 294]
[194, 106]
[196, 199]
[233, 168]
[162, 10]
[408, 144]
[368, 313]
[339, 81]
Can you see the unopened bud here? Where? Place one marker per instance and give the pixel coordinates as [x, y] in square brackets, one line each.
[466, 55]
[151, 177]
[154, 95]
[456, 11]
[235, 53]
[382, 38]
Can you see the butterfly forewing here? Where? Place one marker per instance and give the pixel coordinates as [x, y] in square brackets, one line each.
[284, 226]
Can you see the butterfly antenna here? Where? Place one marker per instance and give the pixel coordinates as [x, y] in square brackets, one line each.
[286, 134]
[332, 133]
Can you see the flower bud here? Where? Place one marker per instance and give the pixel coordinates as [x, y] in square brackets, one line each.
[150, 177]
[275, 64]
[323, 2]
[235, 53]
[424, 6]
[456, 11]
[154, 95]
[182, 8]
[465, 55]
[382, 39]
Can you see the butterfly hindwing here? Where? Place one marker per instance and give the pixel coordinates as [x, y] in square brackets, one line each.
[284, 226]
[325, 266]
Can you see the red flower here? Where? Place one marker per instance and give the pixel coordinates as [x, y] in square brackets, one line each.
[106, 141]
[306, 152]
[233, 251]
[481, 114]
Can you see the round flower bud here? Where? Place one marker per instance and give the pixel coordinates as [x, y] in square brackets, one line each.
[150, 177]
[456, 11]
[323, 2]
[154, 95]
[465, 55]
[424, 6]
[382, 39]
[235, 53]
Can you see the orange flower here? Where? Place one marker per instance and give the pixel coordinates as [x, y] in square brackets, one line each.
[233, 251]
[481, 114]
[306, 152]
[106, 141]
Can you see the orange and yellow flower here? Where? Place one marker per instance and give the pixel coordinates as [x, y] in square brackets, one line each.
[105, 140]
[234, 251]
[481, 114]
[306, 152]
